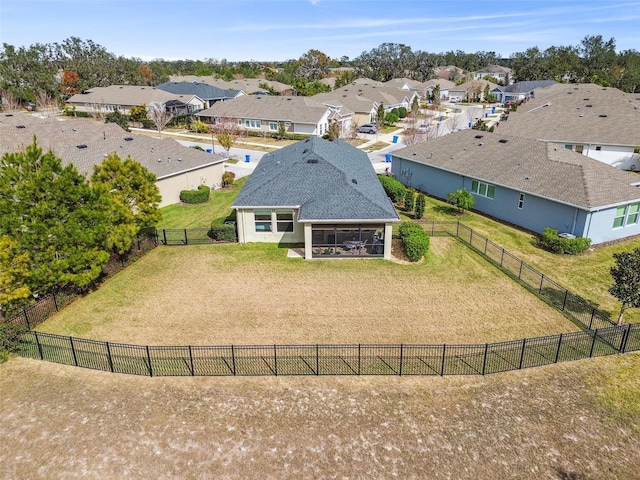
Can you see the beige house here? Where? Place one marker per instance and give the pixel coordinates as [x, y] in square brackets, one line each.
[266, 114]
[104, 100]
[85, 144]
[325, 195]
[248, 85]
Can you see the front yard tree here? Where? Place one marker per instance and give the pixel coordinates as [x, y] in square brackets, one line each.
[132, 197]
[52, 214]
[380, 114]
[421, 202]
[626, 280]
[462, 199]
[226, 131]
[157, 112]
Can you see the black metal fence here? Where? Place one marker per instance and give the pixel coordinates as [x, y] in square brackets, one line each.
[239, 360]
[600, 336]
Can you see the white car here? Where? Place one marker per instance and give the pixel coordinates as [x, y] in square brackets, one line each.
[422, 128]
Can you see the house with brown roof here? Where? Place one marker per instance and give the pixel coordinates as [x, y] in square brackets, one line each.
[598, 122]
[265, 114]
[104, 100]
[503, 74]
[526, 182]
[86, 144]
[472, 91]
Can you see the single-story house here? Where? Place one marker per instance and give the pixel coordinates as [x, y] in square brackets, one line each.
[103, 100]
[325, 195]
[472, 91]
[602, 123]
[208, 93]
[265, 113]
[248, 85]
[520, 91]
[526, 182]
[85, 144]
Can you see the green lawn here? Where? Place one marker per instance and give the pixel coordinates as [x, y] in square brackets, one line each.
[201, 215]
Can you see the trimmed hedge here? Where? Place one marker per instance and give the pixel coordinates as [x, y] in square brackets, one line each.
[394, 189]
[415, 240]
[571, 246]
[223, 232]
[200, 195]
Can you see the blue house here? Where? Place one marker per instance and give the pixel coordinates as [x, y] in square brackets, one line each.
[526, 182]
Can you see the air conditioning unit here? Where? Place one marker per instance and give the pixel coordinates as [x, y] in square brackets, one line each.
[568, 236]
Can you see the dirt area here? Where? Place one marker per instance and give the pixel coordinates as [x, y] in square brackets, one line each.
[63, 422]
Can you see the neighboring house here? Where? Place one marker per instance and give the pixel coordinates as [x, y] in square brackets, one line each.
[602, 123]
[520, 91]
[527, 183]
[248, 85]
[503, 74]
[325, 195]
[472, 91]
[364, 99]
[85, 144]
[265, 113]
[104, 100]
[206, 92]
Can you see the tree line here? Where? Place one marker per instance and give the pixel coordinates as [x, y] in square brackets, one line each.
[58, 228]
[49, 73]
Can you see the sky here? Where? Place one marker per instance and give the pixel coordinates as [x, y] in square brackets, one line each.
[278, 30]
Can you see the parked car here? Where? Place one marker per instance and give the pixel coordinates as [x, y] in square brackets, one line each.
[367, 128]
[423, 128]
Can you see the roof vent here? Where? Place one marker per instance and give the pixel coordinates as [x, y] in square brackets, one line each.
[569, 93]
[81, 146]
[11, 114]
[602, 116]
[503, 140]
[20, 126]
[589, 105]
[288, 99]
[128, 139]
[480, 144]
[306, 150]
[312, 160]
[586, 99]
[479, 136]
[354, 181]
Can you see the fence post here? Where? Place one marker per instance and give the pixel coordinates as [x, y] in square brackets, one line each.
[275, 360]
[164, 235]
[520, 272]
[623, 345]
[149, 360]
[593, 344]
[401, 354]
[358, 359]
[73, 352]
[484, 361]
[55, 302]
[524, 344]
[317, 360]
[186, 237]
[26, 318]
[233, 359]
[458, 228]
[486, 242]
[502, 257]
[444, 350]
[191, 361]
[558, 351]
[39, 346]
[471, 238]
[110, 360]
[564, 302]
[593, 312]
[541, 281]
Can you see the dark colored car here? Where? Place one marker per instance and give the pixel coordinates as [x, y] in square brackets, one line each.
[367, 128]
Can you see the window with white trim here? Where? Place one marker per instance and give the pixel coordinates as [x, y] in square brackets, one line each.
[483, 189]
[273, 126]
[521, 201]
[626, 215]
[284, 221]
[262, 220]
[252, 124]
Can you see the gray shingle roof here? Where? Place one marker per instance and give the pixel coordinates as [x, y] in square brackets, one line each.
[249, 85]
[577, 113]
[98, 140]
[528, 166]
[327, 180]
[126, 95]
[266, 107]
[201, 90]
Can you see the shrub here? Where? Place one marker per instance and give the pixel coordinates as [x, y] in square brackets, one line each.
[200, 195]
[222, 232]
[228, 178]
[415, 240]
[421, 203]
[402, 112]
[409, 200]
[394, 189]
[571, 246]
[9, 339]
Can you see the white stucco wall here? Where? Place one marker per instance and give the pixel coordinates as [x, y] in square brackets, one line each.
[170, 187]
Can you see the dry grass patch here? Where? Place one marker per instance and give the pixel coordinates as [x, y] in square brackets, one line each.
[253, 294]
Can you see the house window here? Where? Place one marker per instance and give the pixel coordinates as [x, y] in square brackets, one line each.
[579, 148]
[239, 122]
[252, 123]
[483, 189]
[569, 147]
[521, 201]
[598, 148]
[284, 222]
[626, 215]
[263, 220]
[273, 126]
